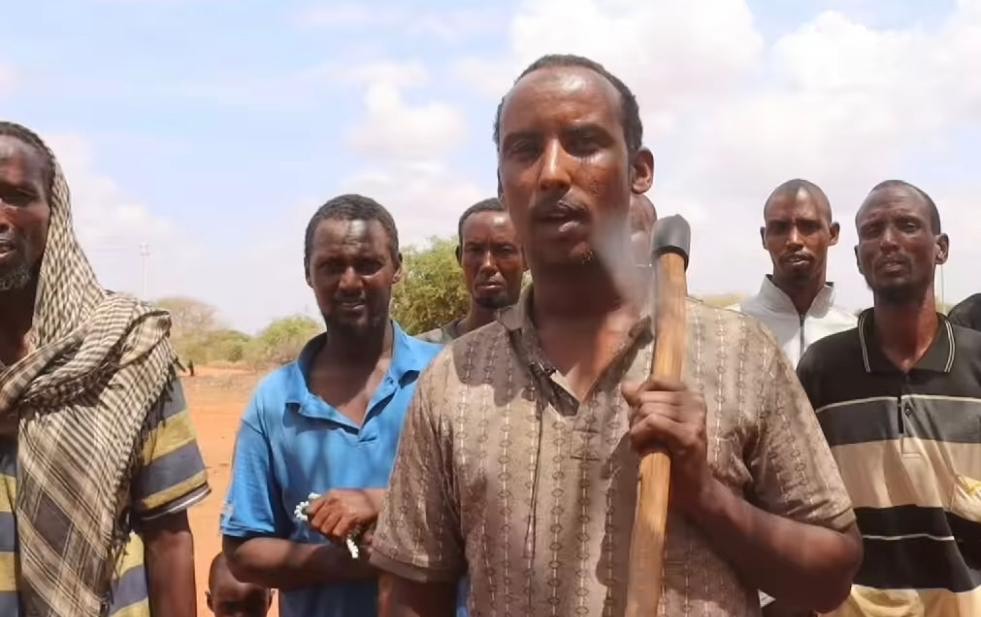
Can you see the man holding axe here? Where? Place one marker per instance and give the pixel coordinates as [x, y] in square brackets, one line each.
[521, 457]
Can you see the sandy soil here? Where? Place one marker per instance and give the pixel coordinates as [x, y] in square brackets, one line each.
[216, 398]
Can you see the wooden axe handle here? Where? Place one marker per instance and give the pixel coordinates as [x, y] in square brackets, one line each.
[650, 521]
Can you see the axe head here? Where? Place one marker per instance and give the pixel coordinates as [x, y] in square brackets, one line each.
[671, 235]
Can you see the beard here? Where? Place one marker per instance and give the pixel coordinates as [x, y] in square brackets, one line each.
[899, 295]
[15, 277]
[494, 303]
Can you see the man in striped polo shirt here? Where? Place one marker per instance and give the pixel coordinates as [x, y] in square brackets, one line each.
[899, 400]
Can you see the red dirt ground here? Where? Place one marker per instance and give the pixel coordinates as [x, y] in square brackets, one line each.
[216, 398]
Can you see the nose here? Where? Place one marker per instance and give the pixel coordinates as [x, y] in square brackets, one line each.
[794, 237]
[487, 261]
[350, 281]
[554, 175]
[888, 238]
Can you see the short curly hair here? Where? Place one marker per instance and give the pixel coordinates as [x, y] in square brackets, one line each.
[633, 128]
[351, 207]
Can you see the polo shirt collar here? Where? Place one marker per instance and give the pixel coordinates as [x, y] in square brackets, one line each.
[939, 358]
[406, 359]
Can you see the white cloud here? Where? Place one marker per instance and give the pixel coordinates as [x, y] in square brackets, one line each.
[672, 54]
[730, 116]
[847, 106]
[394, 129]
[448, 24]
[490, 78]
[113, 227]
[406, 74]
[424, 198]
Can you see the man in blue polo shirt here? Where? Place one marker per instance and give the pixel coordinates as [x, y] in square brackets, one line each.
[328, 424]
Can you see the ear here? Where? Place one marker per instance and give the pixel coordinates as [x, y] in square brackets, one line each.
[459, 254]
[858, 262]
[207, 597]
[397, 277]
[943, 249]
[763, 237]
[306, 275]
[642, 171]
[524, 260]
[835, 233]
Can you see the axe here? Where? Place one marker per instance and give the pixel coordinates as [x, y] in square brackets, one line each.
[672, 238]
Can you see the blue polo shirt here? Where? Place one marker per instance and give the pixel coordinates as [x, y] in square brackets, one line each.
[291, 443]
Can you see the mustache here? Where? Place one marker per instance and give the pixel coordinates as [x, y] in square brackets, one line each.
[893, 259]
[563, 205]
[11, 240]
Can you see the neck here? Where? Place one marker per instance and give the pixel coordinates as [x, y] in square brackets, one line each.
[358, 349]
[16, 317]
[582, 294]
[477, 317]
[906, 329]
[801, 293]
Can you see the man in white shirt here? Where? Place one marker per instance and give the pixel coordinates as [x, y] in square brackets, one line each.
[796, 302]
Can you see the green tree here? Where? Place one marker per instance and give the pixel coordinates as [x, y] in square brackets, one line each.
[282, 340]
[432, 292]
[219, 345]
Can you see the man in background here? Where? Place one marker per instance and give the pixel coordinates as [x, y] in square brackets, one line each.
[493, 266]
[967, 313]
[229, 597]
[899, 401]
[796, 301]
[327, 424]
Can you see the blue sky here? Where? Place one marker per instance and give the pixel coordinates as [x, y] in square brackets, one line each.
[211, 129]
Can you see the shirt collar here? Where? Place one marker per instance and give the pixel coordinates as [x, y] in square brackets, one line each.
[517, 320]
[774, 298]
[939, 358]
[405, 359]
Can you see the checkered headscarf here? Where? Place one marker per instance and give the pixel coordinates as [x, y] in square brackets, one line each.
[98, 364]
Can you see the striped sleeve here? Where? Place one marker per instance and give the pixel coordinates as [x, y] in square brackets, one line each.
[172, 475]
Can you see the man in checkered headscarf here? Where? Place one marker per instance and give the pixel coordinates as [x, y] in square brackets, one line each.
[86, 380]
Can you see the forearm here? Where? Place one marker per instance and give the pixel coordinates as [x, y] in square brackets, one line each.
[399, 597]
[169, 559]
[285, 565]
[796, 563]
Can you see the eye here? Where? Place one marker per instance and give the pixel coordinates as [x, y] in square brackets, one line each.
[909, 225]
[869, 231]
[16, 196]
[524, 149]
[583, 144]
[367, 267]
[332, 267]
[809, 227]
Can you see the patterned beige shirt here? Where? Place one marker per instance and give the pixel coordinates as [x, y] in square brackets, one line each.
[504, 476]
